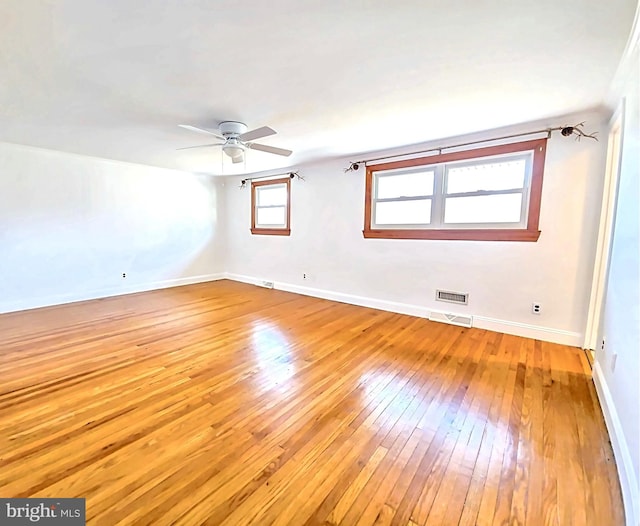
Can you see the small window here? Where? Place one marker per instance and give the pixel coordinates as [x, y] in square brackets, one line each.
[484, 194]
[270, 207]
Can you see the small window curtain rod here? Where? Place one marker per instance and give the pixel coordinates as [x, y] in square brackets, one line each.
[291, 175]
[565, 131]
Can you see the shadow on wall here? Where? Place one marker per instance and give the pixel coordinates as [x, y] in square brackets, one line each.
[167, 228]
[207, 246]
[72, 225]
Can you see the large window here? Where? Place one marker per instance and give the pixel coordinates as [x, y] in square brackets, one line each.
[270, 207]
[484, 194]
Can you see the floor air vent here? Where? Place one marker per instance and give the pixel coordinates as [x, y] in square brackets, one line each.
[452, 297]
[266, 284]
[453, 319]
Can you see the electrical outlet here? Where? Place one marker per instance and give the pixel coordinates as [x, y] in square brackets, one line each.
[305, 276]
[602, 345]
[536, 308]
[124, 274]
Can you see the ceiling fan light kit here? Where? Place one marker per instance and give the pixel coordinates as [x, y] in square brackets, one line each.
[233, 149]
[237, 139]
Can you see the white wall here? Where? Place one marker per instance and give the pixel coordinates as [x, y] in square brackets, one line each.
[503, 278]
[619, 387]
[71, 225]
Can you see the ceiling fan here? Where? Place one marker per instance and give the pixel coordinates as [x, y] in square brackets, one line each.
[236, 139]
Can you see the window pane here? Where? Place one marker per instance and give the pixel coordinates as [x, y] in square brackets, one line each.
[503, 175]
[405, 185]
[502, 208]
[403, 212]
[272, 195]
[271, 216]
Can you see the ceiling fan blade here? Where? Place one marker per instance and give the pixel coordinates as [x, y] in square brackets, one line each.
[269, 149]
[258, 133]
[200, 130]
[201, 146]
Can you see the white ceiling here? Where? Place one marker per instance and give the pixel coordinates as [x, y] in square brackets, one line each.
[114, 78]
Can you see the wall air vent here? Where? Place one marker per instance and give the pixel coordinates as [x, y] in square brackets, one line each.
[453, 319]
[462, 298]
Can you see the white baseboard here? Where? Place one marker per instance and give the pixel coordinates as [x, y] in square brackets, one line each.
[362, 301]
[509, 327]
[621, 451]
[34, 303]
[547, 334]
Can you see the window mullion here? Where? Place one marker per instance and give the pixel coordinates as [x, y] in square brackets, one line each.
[437, 204]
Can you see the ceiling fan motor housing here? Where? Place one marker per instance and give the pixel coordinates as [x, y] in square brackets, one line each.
[232, 128]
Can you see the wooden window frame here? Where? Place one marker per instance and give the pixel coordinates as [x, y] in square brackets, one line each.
[530, 233]
[271, 231]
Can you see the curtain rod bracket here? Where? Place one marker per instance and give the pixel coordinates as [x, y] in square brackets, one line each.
[354, 166]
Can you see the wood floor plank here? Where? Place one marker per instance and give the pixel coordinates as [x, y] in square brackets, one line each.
[224, 403]
[349, 496]
[443, 503]
[532, 459]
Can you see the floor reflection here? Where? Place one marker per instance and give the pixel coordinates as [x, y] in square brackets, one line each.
[274, 360]
[419, 402]
[393, 391]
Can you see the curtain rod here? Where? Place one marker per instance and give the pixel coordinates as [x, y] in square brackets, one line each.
[566, 131]
[291, 175]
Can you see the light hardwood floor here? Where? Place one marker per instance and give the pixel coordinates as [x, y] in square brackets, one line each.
[224, 403]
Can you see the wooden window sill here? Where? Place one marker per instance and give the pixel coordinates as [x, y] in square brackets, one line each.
[271, 231]
[495, 234]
